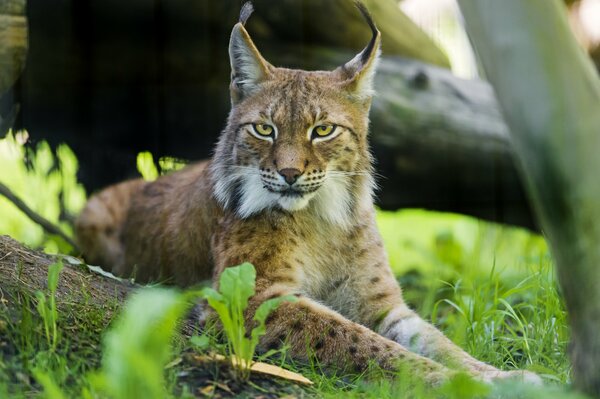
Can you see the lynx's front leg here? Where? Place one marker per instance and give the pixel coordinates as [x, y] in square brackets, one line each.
[309, 327]
[384, 310]
[405, 327]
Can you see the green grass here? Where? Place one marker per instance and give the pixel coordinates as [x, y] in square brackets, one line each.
[39, 350]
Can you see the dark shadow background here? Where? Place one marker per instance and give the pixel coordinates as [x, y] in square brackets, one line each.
[113, 78]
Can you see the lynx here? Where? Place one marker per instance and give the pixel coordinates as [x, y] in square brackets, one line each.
[289, 189]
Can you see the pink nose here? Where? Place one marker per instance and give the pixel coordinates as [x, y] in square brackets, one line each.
[290, 175]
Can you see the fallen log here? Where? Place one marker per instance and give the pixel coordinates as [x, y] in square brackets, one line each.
[22, 269]
[441, 143]
[25, 271]
[337, 24]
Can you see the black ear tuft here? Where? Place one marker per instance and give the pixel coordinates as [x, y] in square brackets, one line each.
[358, 73]
[246, 11]
[367, 15]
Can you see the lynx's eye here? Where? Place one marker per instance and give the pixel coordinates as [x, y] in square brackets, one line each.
[263, 129]
[323, 131]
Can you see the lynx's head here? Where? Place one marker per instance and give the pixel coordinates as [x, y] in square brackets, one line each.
[296, 140]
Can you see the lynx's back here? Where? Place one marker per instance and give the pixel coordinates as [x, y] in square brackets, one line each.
[152, 231]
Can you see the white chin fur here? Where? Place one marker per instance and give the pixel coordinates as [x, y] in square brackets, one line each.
[292, 204]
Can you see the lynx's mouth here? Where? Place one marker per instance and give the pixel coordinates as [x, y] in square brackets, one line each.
[292, 193]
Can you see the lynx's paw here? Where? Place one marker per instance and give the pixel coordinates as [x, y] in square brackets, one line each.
[517, 375]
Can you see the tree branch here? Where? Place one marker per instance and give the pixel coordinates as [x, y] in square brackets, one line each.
[48, 226]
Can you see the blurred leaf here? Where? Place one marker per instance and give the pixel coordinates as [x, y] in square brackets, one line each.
[53, 274]
[169, 164]
[51, 390]
[463, 386]
[30, 172]
[137, 349]
[146, 166]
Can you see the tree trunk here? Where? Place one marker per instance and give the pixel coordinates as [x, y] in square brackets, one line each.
[13, 41]
[550, 94]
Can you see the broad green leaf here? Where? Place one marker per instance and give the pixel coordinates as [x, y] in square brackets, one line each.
[211, 294]
[220, 304]
[270, 305]
[237, 285]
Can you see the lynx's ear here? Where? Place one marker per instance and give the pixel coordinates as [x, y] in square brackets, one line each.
[358, 73]
[248, 67]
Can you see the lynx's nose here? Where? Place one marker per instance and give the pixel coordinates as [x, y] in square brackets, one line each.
[290, 175]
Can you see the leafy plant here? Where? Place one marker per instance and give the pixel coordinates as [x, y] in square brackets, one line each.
[46, 305]
[236, 286]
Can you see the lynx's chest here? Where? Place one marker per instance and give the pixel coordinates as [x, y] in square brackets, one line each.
[331, 262]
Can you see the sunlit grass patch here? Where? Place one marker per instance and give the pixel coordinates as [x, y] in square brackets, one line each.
[448, 245]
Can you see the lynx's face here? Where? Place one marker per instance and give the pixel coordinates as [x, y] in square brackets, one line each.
[295, 139]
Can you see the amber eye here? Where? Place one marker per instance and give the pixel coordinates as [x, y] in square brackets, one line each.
[323, 130]
[263, 129]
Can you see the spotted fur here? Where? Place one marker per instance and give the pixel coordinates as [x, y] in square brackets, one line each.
[313, 236]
